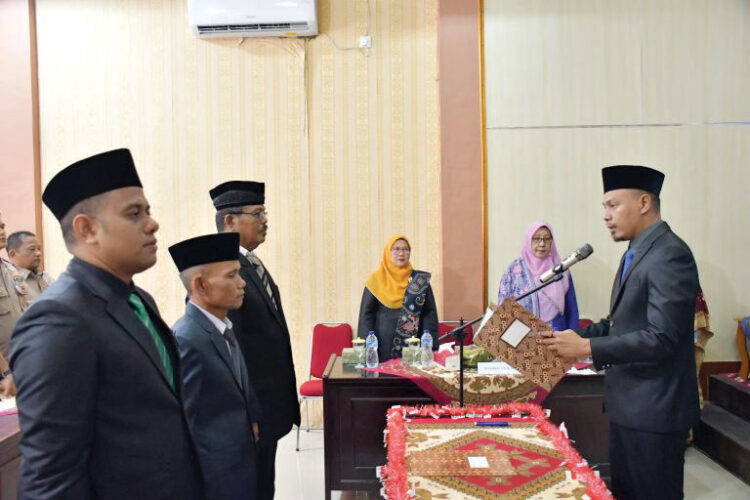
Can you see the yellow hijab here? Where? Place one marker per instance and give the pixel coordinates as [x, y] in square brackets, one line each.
[388, 283]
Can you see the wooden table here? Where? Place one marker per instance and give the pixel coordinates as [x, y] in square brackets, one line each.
[10, 457]
[355, 403]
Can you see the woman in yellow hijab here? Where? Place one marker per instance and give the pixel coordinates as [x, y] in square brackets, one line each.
[397, 301]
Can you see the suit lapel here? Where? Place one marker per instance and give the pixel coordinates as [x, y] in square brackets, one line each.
[616, 284]
[124, 315]
[643, 249]
[255, 279]
[117, 307]
[216, 339]
[277, 297]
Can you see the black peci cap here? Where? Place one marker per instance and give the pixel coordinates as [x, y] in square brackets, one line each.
[632, 177]
[89, 177]
[206, 249]
[238, 194]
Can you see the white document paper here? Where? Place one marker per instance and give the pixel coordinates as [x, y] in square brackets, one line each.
[487, 315]
[448, 346]
[479, 463]
[8, 404]
[584, 371]
[515, 333]
[496, 368]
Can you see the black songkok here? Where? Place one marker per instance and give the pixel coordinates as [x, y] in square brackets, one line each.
[89, 177]
[238, 194]
[632, 177]
[207, 249]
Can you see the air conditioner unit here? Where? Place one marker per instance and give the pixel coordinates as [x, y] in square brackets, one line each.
[240, 18]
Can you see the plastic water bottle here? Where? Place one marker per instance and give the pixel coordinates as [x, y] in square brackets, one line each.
[427, 356]
[371, 350]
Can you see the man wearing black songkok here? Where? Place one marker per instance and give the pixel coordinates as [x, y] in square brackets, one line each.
[260, 324]
[97, 370]
[646, 341]
[222, 409]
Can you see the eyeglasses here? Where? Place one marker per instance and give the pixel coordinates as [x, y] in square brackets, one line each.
[256, 213]
[539, 240]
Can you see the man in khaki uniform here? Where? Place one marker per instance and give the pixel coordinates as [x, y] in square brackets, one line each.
[10, 311]
[25, 254]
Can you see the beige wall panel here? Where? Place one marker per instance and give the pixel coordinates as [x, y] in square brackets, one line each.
[583, 62]
[562, 78]
[555, 175]
[346, 139]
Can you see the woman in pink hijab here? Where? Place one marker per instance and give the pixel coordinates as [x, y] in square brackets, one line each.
[556, 304]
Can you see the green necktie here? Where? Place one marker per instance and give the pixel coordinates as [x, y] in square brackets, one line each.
[140, 310]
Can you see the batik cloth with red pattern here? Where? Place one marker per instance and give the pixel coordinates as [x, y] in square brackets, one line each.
[524, 455]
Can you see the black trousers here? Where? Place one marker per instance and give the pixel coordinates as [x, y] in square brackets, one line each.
[646, 465]
[266, 469]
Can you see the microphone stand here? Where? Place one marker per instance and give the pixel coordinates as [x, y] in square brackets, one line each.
[459, 334]
[556, 277]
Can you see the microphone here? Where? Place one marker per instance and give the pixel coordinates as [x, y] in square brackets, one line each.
[571, 259]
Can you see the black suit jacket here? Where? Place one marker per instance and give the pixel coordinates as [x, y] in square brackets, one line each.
[220, 408]
[98, 417]
[263, 336]
[646, 342]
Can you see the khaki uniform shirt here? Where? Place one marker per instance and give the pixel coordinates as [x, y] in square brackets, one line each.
[35, 283]
[12, 304]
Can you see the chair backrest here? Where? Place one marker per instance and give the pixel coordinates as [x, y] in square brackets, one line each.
[584, 322]
[446, 326]
[328, 339]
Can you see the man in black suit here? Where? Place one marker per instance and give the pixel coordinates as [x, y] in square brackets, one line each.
[260, 324]
[646, 342]
[221, 406]
[97, 370]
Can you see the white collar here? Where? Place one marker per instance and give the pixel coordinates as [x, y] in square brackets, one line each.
[220, 324]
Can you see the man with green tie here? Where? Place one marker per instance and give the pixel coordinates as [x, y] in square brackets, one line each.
[97, 370]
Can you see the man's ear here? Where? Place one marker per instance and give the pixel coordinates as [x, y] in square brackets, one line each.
[197, 284]
[11, 253]
[86, 228]
[229, 220]
[644, 202]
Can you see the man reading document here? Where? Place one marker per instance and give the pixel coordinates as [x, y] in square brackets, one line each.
[646, 342]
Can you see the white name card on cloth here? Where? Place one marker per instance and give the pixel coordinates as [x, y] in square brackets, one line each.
[479, 463]
[496, 368]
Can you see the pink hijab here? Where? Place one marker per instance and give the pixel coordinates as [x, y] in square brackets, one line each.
[556, 291]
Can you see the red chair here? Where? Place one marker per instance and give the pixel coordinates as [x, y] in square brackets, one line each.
[446, 326]
[328, 338]
[584, 322]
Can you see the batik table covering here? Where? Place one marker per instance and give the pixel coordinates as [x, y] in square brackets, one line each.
[443, 385]
[525, 455]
